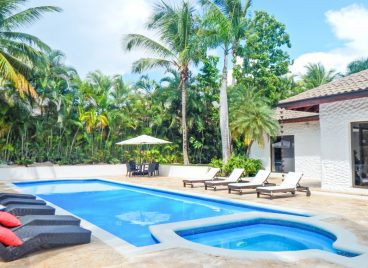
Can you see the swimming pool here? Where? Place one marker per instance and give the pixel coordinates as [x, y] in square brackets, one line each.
[127, 211]
[265, 235]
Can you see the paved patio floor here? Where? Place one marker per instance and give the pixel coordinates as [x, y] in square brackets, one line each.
[349, 212]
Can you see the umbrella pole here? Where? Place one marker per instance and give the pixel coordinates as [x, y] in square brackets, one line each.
[140, 155]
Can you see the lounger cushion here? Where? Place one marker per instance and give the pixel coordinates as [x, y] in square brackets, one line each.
[245, 184]
[276, 188]
[9, 220]
[8, 238]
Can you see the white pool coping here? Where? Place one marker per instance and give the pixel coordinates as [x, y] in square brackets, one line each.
[166, 233]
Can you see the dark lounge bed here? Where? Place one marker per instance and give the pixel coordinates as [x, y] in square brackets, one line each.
[36, 238]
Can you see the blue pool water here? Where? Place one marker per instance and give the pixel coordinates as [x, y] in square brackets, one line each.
[269, 235]
[128, 211]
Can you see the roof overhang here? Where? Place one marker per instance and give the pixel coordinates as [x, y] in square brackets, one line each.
[300, 119]
[302, 104]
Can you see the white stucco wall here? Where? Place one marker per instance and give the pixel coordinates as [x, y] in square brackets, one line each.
[19, 173]
[9, 174]
[184, 172]
[307, 149]
[335, 119]
[262, 153]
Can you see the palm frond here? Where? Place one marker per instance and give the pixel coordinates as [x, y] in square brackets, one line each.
[9, 73]
[144, 64]
[132, 41]
[23, 52]
[216, 26]
[10, 6]
[161, 10]
[27, 16]
[248, 4]
[26, 38]
[221, 5]
[18, 65]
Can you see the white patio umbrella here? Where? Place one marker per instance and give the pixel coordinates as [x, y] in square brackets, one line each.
[143, 140]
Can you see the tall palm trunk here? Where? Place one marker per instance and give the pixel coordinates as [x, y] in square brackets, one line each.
[249, 147]
[72, 144]
[183, 81]
[224, 112]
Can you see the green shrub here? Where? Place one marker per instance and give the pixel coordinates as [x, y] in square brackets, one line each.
[24, 161]
[114, 161]
[217, 163]
[251, 166]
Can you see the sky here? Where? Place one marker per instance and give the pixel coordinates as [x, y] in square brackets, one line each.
[90, 32]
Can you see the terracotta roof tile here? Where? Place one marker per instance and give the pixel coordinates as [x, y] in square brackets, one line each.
[352, 83]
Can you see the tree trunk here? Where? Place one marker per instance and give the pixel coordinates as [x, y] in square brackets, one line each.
[6, 145]
[224, 112]
[249, 147]
[72, 144]
[183, 80]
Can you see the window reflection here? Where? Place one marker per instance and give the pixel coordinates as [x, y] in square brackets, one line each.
[360, 153]
[283, 155]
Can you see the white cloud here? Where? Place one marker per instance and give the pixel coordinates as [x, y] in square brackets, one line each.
[349, 24]
[91, 32]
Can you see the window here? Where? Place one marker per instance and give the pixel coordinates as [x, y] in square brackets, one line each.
[282, 154]
[359, 137]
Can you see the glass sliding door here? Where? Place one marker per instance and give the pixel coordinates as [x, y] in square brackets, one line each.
[359, 141]
[283, 154]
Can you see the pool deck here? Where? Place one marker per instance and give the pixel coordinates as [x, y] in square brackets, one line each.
[347, 211]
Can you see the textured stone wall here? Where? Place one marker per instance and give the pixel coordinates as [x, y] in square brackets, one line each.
[335, 120]
[307, 149]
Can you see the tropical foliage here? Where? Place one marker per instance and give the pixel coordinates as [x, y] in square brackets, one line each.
[317, 75]
[224, 25]
[250, 166]
[357, 66]
[178, 48]
[265, 62]
[251, 118]
[20, 52]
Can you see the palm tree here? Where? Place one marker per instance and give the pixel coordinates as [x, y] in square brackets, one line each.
[53, 81]
[317, 75]
[19, 52]
[178, 47]
[224, 25]
[252, 118]
[357, 66]
[146, 84]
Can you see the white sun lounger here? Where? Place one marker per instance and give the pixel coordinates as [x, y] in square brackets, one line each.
[290, 184]
[210, 175]
[234, 177]
[259, 180]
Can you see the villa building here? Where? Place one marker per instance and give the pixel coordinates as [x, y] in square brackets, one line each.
[324, 134]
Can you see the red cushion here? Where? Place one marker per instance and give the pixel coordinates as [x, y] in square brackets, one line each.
[9, 238]
[9, 220]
